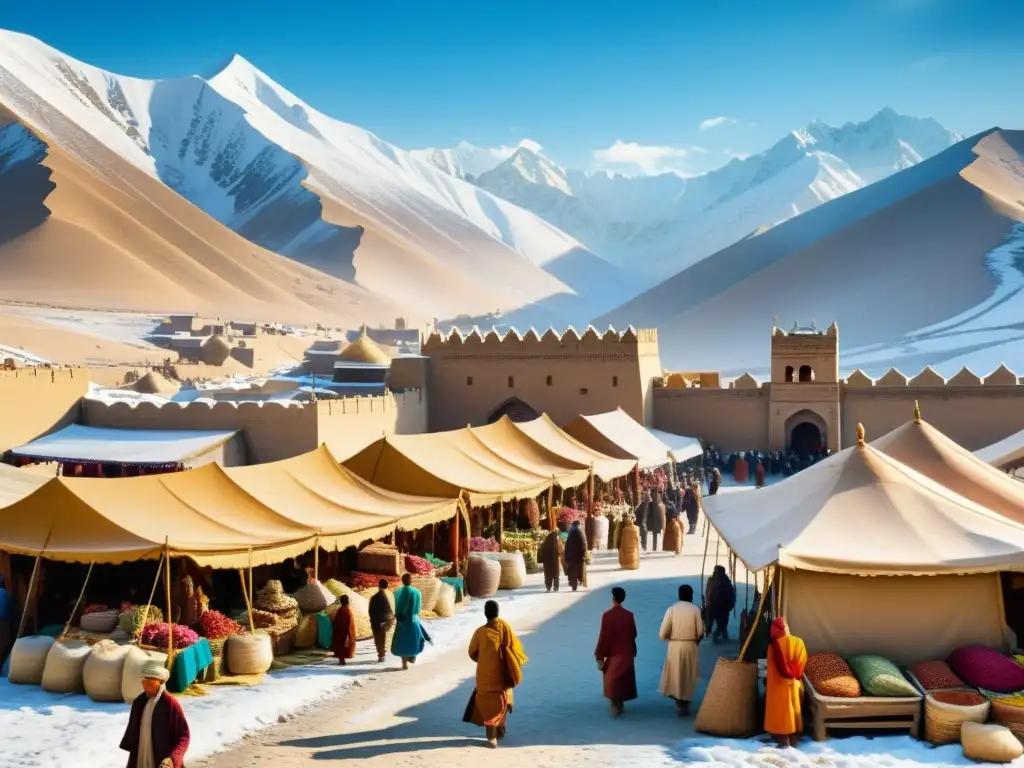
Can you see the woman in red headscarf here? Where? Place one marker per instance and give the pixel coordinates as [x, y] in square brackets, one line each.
[787, 657]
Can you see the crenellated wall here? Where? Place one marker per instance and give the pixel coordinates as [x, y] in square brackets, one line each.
[273, 430]
[34, 401]
[473, 377]
[734, 419]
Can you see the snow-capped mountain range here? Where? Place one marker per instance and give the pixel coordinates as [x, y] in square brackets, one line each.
[330, 195]
[665, 223]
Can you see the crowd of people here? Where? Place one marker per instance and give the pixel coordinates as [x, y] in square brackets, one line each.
[785, 463]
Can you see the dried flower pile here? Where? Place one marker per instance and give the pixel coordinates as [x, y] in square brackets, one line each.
[214, 625]
[155, 634]
[272, 598]
[417, 565]
[480, 544]
[361, 581]
[132, 621]
[95, 608]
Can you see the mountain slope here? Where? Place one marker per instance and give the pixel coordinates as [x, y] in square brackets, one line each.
[909, 252]
[327, 194]
[661, 224]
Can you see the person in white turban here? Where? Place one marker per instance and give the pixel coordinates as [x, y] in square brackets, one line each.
[157, 735]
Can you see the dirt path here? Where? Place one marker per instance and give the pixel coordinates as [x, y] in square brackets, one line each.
[399, 719]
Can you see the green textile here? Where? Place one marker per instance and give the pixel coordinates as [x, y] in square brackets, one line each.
[52, 630]
[189, 663]
[880, 677]
[458, 583]
[324, 630]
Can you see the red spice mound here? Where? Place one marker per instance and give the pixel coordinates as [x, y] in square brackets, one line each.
[958, 698]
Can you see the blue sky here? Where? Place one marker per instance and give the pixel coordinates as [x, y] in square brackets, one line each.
[578, 77]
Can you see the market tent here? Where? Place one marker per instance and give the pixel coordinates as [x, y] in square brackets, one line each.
[318, 493]
[681, 447]
[200, 513]
[443, 465]
[504, 440]
[617, 434]
[862, 513]
[17, 483]
[1008, 453]
[545, 432]
[922, 447]
[77, 443]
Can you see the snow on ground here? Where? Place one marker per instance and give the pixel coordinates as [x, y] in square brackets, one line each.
[123, 327]
[21, 356]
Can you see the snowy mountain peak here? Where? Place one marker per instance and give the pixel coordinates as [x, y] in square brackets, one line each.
[538, 169]
[468, 161]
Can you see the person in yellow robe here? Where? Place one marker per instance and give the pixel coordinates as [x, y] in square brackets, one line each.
[787, 657]
[499, 658]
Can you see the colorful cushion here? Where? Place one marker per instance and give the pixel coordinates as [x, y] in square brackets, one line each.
[983, 667]
[830, 675]
[935, 675]
[880, 677]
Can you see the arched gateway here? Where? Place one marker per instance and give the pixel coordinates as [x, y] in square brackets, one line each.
[806, 432]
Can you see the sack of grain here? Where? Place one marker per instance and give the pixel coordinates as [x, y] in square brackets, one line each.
[482, 575]
[830, 675]
[445, 605]
[104, 670]
[360, 607]
[599, 533]
[313, 597]
[249, 654]
[272, 598]
[990, 743]
[28, 659]
[379, 558]
[65, 663]
[428, 586]
[131, 675]
[629, 547]
[100, 622]
[306, 632]
[513, 568]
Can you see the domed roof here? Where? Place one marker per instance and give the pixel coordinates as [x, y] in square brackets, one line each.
[216, 350]
[156, 384]
[217, 342]
[365, 350]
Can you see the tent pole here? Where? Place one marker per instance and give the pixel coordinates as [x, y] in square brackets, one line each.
[754, 625]
[248, 604]
[167, 591]
[30, 593]
[501, 520]
[552, 524]
[316, 558]
[703, 565]
[78, 602]
[455, 544]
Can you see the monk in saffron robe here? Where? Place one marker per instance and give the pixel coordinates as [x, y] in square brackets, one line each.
[616, 653]
[499, 658]
[787, 657]
[157, 735]
[343, 642]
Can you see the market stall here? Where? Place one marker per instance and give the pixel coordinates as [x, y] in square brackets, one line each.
[934, 558]
[618, 435]
[546, 433]
[1006, 454]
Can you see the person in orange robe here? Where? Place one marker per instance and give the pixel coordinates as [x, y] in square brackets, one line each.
[787, 657]
[343, 642]
[499, 658]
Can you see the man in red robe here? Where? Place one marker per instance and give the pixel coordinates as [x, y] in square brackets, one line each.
[343, 642]
[616, 653]
[157, 735]
[759, 475]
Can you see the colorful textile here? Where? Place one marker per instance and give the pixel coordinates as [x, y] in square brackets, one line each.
[782, 710]
[189, 663]
[410, 638]
[324, 630]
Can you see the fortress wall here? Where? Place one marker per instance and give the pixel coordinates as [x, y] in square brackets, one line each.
[34, 401]
[732, 419]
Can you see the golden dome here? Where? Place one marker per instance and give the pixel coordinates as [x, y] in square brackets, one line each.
[365, 350]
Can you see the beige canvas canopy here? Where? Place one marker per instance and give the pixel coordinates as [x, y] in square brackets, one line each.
[862, 512]
[617, 434]
[314, 491]
[546, 433]
[17, 483]
[443, 465]
[504, 440]
[1008, 453]
[200, 513]
[922, 447]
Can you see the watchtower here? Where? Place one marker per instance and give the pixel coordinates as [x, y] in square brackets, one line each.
[803, 410]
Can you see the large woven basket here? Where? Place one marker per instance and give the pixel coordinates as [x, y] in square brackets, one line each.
[101, 622]
[429, 587]
[672, 541]
[482, 576]
[513, 568]
[629, 547]
[942, 719]
[1010, 716]
[598, 539]
[218, 668]
[730, 702]
[380, 558]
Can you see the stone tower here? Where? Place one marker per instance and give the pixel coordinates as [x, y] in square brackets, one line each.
[804, 394]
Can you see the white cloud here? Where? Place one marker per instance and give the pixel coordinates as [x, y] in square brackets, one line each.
[649, 159]
[715, 122]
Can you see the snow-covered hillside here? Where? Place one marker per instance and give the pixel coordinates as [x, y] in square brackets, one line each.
[256, 158]
[465, 161]
[664, 223]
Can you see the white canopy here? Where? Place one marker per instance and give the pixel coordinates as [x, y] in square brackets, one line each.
[862, 512]
[1008, 453]
[617, 434]
[681, 447]
[103, 445]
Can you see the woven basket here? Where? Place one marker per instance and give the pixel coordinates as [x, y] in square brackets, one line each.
[598, 539]
[942, 720]
[730, 702]
[429, 587]
[629, 547]
[380, 558]
[249, 654]
[218, 668]
[482, 576]
[672, 541]
[1010, 716]
[283, 643]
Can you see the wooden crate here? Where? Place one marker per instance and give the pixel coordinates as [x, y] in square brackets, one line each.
[827, 713]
